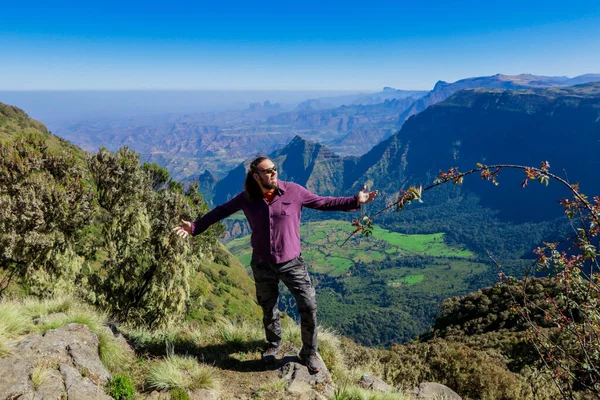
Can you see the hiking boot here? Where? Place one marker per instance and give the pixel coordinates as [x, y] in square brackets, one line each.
[313, 363]
[269, 355]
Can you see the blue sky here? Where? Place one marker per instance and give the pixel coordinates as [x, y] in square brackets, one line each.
[306, 45]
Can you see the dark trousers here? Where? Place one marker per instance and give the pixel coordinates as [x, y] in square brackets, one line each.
[294, 275]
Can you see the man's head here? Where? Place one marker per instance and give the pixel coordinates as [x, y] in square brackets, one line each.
[260, 178]
[264, 173]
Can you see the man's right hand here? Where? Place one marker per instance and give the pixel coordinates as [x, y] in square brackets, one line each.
[184, 230]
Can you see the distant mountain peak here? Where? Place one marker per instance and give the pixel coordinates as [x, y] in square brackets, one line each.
[296, 139]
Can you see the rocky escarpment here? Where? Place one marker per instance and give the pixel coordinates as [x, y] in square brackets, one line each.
[61, 363]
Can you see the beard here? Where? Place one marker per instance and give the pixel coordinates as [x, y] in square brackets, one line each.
[268, 184]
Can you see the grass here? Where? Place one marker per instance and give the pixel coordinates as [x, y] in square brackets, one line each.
[39, 376]
[41, 372]
[432, 244]
[409, 280]
[239, 333]
[341, 265]
[112, 353]
[13, 321]
[171, 371]
[181, 372]
[5, 345]
[36, 308]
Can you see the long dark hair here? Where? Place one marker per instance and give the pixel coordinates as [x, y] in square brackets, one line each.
[251, 187]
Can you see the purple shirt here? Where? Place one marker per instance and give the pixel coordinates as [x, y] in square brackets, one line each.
[276, 226]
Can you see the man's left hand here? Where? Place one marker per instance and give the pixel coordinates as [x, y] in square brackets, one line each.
[365, 197]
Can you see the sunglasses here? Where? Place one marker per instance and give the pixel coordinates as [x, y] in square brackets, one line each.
[268, 171]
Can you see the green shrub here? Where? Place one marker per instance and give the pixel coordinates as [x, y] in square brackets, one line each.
[120, 387]
[179, 394]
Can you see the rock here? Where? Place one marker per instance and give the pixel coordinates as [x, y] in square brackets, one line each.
[432, 390]
[53, 387]
[156, 395]
[12, 381]
[374, 383]
[70, 344]
[70, 356]
[204, 394]
[79, 387]
[304, 385]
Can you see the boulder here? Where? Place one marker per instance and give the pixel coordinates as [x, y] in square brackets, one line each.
[73, 367]
[301, 384]
[374, 383]
[70, 344]
[432, 390]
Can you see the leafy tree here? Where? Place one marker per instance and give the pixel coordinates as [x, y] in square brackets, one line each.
[146, 269]
[45, 202]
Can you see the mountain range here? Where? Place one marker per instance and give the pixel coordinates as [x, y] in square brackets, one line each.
[190, 143]
[475, 125]
[442, 90]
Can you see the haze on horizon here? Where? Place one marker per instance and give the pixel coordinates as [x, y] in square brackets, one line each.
[289, 46]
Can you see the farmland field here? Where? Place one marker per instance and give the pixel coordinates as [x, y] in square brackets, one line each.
[379, 289]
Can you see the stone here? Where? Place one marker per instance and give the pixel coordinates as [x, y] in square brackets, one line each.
[79, 387]
[374, 383]
[70, 344]
[53, 387]
[301, 383]
[12, 373]
[70, 355]
[434, 391]
[156, 395]
[204, 394]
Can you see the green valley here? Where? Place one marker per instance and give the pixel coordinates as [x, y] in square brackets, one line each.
[382, 288]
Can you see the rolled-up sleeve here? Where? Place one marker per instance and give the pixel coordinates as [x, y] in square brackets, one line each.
[328, 203]
[218, 213]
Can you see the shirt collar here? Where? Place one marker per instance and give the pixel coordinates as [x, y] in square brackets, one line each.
[282, 187]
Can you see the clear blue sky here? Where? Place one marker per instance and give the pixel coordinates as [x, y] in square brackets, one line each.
[290, 45]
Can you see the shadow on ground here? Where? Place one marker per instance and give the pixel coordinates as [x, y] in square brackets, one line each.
[222, 356]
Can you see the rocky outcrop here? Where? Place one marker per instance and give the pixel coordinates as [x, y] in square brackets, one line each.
[372, 382]
[61, 363]
[432, 390]
[300, 384]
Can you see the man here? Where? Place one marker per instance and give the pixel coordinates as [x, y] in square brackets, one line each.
[273, 211]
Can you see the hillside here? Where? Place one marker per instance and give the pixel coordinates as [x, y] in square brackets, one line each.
[14, 122]
[63, 217]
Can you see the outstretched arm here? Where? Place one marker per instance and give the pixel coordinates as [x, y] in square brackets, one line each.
[327, 203]
[201, 224]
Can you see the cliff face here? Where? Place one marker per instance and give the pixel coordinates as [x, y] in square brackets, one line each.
[559, 125]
